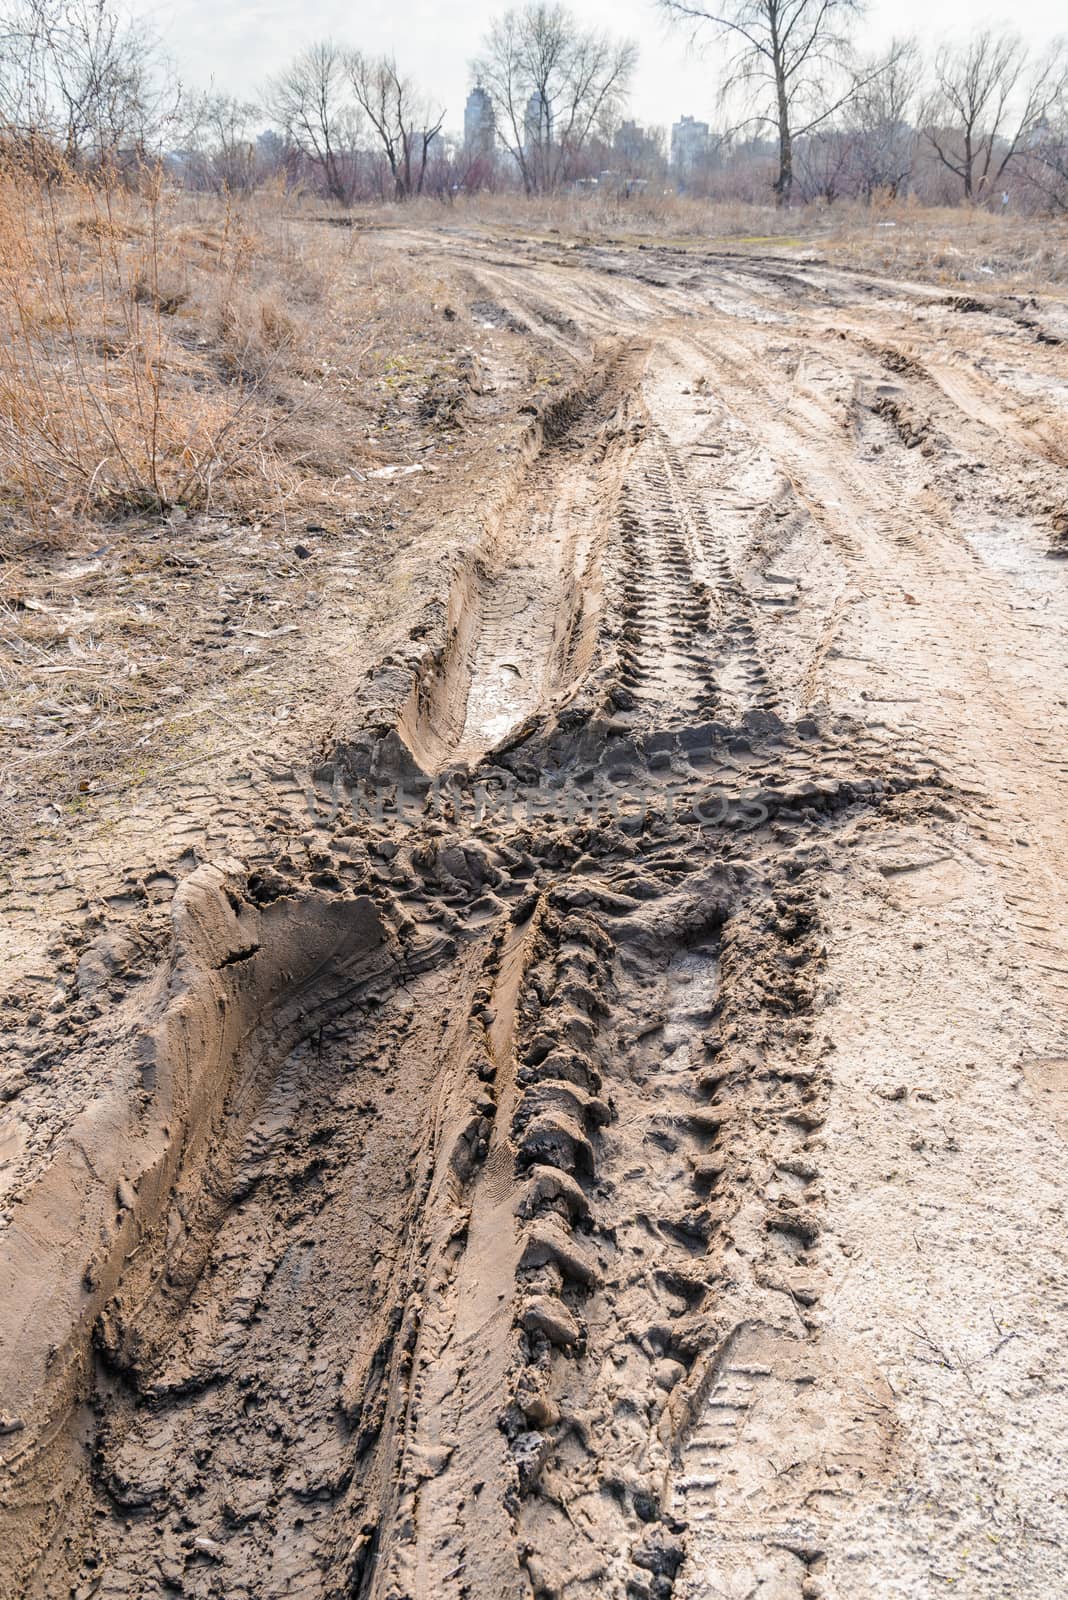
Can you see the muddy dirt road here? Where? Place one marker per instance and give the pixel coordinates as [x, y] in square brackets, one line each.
[603, 1135]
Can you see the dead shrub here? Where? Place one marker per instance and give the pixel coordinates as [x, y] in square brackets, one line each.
[277, 328]
[106, 404]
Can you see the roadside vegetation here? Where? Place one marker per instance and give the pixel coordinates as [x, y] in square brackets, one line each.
[215, 414]
[162, 349]
[945, 244]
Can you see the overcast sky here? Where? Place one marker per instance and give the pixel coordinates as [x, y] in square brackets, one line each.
[240, 44]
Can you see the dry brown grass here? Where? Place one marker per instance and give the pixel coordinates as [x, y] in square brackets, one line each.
[596, 215]
[950, 245]
[943, 244]
[106, 403]
[195, 400]
[159, 349]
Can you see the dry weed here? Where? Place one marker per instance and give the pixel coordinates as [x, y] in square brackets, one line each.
[201, 409]
[155, 347]
[944, 244]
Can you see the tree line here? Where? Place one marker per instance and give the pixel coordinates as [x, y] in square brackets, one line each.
[800, 111]
[981, 107]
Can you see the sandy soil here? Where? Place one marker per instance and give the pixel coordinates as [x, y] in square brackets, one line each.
[580, 1110]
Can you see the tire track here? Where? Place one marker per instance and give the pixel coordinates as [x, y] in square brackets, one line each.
[485, 1245]
[690, 650]
[993, 739]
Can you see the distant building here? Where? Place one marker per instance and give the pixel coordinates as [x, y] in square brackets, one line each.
[628, 142]
[480, 123]
[538, 123]
[689, 147]
[635, 146]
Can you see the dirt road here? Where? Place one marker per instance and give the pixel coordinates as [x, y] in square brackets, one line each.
[604, 1136]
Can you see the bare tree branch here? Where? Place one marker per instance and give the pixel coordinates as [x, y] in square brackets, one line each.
[76, 74]
[988, 102]
[312, 102]
[401, 121]
[554, 85]
[786, 52]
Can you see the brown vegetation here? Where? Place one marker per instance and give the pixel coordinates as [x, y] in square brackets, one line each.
[948, 244]
[161, 349]
[197, 399]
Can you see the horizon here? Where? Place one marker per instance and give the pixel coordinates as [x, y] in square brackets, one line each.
[435, 46]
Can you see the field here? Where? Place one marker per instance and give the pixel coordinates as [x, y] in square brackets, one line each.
[534, 938]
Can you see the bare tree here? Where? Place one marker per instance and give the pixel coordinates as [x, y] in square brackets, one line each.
[882, 139]
[1046, 161]
[554, 84]
[81, 76]
[220, 143]
[405, 128]
[102, 81]
[311, 100]
[786, 55]
[822, 165]
[24, 52]
[988, 103]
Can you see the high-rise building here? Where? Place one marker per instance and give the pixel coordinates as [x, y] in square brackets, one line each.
[480, 123]
[634, 146]
[627, 141]
[538, 122]
[689, 146]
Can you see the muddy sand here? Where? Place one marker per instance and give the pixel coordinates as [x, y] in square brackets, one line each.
[596, 1126]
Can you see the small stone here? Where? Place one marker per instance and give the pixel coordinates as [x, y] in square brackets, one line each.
[530, 1451]
[541, 1412]
[662, 1556]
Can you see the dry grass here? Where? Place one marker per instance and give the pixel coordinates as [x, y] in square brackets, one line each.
[950, 245]
[202, 409]
[107, 396]
[159, 349]
[599, 216]
[943, 244]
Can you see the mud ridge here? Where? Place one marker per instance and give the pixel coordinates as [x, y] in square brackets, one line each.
[457, 693]
[516, 1255]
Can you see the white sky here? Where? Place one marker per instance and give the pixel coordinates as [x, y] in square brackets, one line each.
[238, 45]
